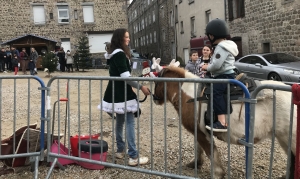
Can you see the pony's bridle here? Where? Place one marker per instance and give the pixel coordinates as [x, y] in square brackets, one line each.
[153, 95]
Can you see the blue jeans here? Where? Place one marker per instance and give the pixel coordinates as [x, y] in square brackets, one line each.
[220, 105]
[130, 134]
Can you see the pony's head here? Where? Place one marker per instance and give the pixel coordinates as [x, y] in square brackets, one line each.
[172, 87]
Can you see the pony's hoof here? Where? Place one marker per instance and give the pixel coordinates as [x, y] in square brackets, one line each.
[192, 164]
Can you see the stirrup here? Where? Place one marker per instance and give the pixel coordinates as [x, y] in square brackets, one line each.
[241, 77]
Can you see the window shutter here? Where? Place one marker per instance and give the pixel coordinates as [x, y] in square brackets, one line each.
[242, 7]
[39, 15]
[230, 9]
[88, 13]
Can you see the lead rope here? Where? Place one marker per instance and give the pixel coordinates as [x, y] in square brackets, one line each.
[296, 101]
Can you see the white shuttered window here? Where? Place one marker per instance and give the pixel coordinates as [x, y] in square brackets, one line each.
[39, 15]
[88, 13]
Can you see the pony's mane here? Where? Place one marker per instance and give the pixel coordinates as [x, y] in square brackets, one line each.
[177, 72]
[182, 72]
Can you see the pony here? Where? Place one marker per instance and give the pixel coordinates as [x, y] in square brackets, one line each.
[263, 117]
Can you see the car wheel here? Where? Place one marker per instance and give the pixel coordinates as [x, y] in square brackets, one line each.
[274, 77]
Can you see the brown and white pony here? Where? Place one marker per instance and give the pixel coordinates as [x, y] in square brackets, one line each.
[263, 116]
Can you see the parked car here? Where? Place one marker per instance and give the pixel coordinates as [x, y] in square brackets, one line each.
[137, 63]
[270, 66]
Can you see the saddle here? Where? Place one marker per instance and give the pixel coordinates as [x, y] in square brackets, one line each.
[235, 90]
[235, 93]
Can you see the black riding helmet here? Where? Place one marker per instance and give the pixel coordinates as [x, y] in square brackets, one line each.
[218, 28]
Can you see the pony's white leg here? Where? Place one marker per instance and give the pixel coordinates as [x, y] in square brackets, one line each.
[200, 158]
[218, 168]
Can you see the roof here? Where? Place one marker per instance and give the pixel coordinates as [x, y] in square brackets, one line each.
[45, 38]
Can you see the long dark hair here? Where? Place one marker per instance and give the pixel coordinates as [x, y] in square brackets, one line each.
[117, 41]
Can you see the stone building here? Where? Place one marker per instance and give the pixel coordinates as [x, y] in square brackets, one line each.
[152, 29]
[63, 20]
[266, 26]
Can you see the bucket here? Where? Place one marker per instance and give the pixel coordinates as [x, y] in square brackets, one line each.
[63, 151]
[75, 139]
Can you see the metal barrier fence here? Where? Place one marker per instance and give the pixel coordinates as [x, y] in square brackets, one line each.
[21, 137]
[72, 110]
[81, 118]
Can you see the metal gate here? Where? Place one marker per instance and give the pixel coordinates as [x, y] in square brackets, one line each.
[22, 139]
[76, 114]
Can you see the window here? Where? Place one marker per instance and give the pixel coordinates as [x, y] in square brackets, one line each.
[147, 40]
[181, 27]
[154, 36]
[63, 14]
[163, 35]
[180, 1]
[236, 9]
[142, 24]
[39, 15]
[191, 1]
[153, 16]
[150, 36]
[266, 47]
[207, 16]
[171, 19]
[149, 19]
[193, 28]
[162, 11]
[176, 14]
[88, 13]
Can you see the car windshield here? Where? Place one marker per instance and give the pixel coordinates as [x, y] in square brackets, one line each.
[278, 58]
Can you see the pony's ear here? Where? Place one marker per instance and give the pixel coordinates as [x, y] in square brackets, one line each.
[177, 64]
[172, 62]
[158, 61]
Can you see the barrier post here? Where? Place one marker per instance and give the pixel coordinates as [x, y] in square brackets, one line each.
[296, 101]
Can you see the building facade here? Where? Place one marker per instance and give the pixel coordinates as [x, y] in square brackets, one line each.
[63, 21]
[266, 26]
[191, 18]
[152, 28]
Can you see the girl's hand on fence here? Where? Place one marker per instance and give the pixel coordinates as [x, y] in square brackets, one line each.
[145, 90]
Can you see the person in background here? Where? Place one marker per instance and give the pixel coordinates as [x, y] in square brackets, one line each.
[31, 66]
[69, 60]
[8, 60]
[193, 63]
[2, 59]
[15, 63]
[62, 59]
[34, 56]
[205, 59]
[24, 58]
[119, 62]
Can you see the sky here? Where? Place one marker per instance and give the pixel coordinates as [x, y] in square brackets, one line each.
[130, 1]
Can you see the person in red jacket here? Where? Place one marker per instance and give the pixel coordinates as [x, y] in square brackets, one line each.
[24, 60]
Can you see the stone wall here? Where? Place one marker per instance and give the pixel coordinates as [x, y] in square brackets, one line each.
[276, 22]
[17, 19]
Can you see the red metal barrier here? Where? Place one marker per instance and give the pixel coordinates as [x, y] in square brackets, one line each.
[296, 101]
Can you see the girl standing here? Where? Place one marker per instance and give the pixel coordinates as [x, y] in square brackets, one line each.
[118, 56]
